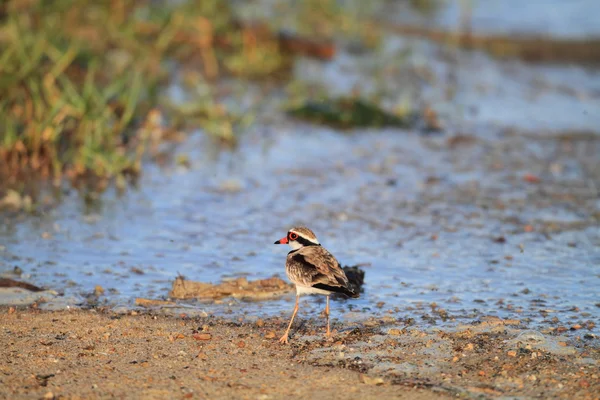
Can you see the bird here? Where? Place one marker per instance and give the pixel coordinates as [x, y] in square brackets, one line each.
[314, 270]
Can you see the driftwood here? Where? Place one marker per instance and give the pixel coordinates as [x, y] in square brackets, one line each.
[142, 302]
[6, 283]
[534, 49]
[239, 288]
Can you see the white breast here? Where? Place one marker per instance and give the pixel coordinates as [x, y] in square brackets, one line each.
[300, 290]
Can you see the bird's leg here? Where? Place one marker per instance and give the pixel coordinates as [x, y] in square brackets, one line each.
[284, 338]
[328, 333]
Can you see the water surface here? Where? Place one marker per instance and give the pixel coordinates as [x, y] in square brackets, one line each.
[497, 215]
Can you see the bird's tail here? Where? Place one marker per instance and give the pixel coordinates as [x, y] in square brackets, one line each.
[338, 289]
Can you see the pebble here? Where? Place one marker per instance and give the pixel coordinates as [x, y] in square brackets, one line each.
[371, 380]
[202, 336]
[98, 290]
[590, 325]
[270, 335]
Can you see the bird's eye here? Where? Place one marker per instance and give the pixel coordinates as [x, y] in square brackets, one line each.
[293, 236]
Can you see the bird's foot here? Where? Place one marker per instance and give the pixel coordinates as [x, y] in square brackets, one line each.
[284, 339]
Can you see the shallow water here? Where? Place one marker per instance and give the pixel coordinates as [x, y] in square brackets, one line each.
[569, 19]
[437, 224]
[365, 196]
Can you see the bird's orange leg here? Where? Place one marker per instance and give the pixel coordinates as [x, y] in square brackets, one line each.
[284, 338]
[328, 333]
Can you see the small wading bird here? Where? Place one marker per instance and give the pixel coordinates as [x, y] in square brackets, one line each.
[313, 270]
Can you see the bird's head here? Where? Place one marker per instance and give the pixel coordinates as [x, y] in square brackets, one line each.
[299, 237]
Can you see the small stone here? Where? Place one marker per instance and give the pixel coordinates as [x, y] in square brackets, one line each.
[260, 323]
[481, 373]
[469, 346]
[202, 336]
[512, 353]
[395, 332]
[530, 178]
[371, 380]
[575, 327]
[241, 344]
[49, 395]
[371, 322]
[98, 290]
[590, 324]
[270, 335]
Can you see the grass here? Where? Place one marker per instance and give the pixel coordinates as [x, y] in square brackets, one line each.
[67, 107]
[79, 82]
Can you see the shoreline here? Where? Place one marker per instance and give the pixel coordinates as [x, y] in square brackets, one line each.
[97, 354]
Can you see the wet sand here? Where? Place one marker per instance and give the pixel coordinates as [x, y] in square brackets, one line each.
[97, 354]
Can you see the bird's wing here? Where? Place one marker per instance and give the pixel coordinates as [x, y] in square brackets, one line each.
[316, 267]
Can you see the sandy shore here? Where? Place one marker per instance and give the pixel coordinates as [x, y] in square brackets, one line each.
[94, 354]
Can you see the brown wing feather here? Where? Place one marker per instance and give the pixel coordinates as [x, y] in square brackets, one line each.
[315, 266]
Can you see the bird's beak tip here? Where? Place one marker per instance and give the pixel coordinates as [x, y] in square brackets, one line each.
[282, 241]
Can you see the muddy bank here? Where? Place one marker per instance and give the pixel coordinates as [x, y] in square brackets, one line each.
[93, 354]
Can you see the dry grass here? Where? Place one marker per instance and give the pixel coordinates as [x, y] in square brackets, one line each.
[79, 81]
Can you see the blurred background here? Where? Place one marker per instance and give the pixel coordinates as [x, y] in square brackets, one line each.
[451, 149]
